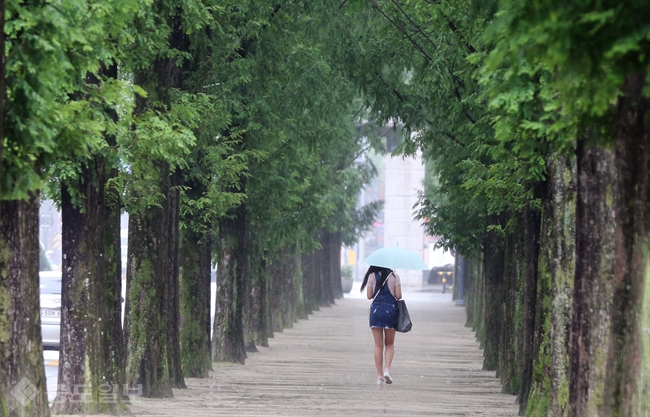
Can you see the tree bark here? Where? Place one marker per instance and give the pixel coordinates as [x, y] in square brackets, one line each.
[91, 375]
[323, 269]
[311, 285]
[624, 356]
[335, 243]
[277, 300]
[92, 284]
[172, 294]
[493, 313]
[510, 355]
[22, 375]
[254, 307]
[289, 307]
[563, 190]
[594, 275]
[195, 261]
[145, 324]
[534, 231]
[298, 284]
[228, 338]
[3, 81]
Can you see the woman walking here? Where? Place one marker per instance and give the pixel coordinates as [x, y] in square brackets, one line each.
[384, 288]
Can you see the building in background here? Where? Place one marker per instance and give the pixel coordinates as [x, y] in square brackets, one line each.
[398, 182]
[404, 178]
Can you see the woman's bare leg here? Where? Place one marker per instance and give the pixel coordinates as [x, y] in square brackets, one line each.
[390, 346]
[378, 335]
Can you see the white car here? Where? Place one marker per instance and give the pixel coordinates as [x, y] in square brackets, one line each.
[50, 289]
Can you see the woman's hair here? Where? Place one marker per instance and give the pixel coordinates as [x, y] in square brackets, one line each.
[384, 272]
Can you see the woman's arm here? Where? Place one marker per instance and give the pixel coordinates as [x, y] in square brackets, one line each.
[398, 287]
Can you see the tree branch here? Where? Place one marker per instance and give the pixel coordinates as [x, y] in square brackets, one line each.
[413, 41]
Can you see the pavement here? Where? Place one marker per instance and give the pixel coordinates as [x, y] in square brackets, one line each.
[51, 360]
[324, 366]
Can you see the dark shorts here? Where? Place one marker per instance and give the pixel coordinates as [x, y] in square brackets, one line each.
[383, 314]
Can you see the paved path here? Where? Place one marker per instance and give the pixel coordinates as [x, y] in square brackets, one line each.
[324, 367]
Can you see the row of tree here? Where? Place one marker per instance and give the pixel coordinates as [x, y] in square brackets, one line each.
[534, 117]
[228, 131]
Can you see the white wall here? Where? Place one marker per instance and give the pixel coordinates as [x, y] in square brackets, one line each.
[404, 177]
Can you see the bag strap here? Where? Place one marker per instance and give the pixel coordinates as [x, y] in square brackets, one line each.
[382, 285]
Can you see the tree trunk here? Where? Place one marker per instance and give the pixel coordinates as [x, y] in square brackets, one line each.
[298, 284]
[323, 271]
[254, 307]
[195, 262]
[228, 338]
[563, 188]
[624, 356]
[289, 307]
[533, 398]
[334, 249]
[22, 375]
[152, 328]
[510, 356]
[277, 295]
[91, 375]
[92, 284]
[310, 284]
[3, 81]
[172, 304]
[594, 276]
[493, 313]
[145, 324]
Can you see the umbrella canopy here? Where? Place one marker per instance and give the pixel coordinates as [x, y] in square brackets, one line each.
[395, 257]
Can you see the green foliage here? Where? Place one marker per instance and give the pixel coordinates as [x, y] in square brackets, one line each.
[346, 272]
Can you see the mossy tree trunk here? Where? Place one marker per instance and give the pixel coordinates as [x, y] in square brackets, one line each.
[22, 375]
[172, 292]
[493, 313]
[152, 328]
[146, 322]
[3, 81]
[91, 291]
[322, 271]
[311, 285]
[563, 191]
[254, 328]
[510, 355]
[289, 307]
[594, 276]
[91, 375]
[298, 284]
[228, 337]
[539, 325]
[195, 261]
[624, 357]
[556, 269]
[334, 255]
[277, 294]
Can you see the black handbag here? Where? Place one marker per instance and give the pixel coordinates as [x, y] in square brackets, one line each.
[404, 323]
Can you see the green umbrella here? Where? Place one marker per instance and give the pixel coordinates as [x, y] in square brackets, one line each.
[395, 257]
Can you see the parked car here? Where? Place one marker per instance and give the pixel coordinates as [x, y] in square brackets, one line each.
[50, 296]
[442, 275]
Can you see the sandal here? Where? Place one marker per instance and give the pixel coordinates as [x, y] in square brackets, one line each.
[380, 380]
